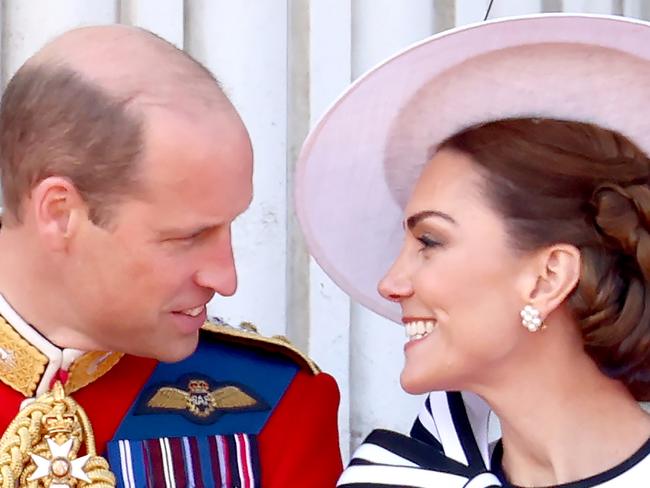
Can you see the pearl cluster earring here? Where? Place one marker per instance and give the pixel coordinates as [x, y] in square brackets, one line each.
[531, 318]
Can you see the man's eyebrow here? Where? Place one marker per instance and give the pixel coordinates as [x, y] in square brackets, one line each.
[174, 231]
[414, 219]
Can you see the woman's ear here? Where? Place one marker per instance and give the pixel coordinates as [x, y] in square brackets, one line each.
[556, 271]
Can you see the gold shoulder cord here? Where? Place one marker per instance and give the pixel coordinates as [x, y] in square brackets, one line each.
[40, 447]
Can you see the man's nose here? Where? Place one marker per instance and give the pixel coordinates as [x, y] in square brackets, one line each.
[217, 269]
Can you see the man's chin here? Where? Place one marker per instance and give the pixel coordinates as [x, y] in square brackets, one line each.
[172, 350]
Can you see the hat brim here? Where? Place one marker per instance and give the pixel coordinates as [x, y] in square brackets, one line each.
[361, 160]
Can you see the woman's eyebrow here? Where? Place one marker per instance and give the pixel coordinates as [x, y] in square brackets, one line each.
[414, 219]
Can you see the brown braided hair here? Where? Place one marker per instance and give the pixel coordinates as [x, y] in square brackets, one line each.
[556, 181]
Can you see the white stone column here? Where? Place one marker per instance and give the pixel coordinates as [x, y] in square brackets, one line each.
[29, 24]
[162, 17]
[245, 44]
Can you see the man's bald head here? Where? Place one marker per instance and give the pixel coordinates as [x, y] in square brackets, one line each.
[76, 109]
[129, 62]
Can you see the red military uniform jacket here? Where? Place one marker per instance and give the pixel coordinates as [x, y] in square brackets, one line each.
[243, 410]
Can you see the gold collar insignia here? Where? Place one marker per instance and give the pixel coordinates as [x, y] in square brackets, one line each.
[22, 365]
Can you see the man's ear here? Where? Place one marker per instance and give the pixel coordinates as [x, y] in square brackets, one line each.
[555, 271]
[57, 209]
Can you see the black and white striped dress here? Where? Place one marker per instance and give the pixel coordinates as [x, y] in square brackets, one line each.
[448, 448]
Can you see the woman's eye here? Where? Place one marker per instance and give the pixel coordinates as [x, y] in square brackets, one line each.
[428, 243]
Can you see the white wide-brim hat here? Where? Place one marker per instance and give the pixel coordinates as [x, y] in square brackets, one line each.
[360, 162]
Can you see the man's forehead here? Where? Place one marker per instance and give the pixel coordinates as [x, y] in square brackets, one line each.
[191, 118]
[177, 140]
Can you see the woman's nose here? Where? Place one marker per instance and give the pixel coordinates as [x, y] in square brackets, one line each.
[395, 285]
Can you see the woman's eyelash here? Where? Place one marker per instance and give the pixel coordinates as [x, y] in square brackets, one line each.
[428, 242]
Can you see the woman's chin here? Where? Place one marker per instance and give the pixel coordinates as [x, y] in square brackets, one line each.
[413, 384]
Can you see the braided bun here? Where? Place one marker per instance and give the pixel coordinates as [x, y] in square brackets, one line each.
[621, 339]
[623, 217]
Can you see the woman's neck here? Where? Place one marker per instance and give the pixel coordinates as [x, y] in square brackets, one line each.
[565, 424]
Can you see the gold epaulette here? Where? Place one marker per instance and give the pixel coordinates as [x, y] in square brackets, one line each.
[247, 334]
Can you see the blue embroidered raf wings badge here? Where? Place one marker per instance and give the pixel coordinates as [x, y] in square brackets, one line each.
[200, 399]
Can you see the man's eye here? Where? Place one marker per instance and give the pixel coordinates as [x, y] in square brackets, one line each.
[187, 238]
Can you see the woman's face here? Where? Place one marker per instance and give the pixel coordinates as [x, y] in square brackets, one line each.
[457, 278]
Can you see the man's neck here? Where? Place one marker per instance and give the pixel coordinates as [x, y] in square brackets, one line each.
[30, 364]
[31, 287]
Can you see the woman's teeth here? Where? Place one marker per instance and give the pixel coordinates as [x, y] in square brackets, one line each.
[193, 312]
[419, 329]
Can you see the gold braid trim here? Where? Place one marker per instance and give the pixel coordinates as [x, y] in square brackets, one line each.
[40, 446]
[247, 334]
[21, 364]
